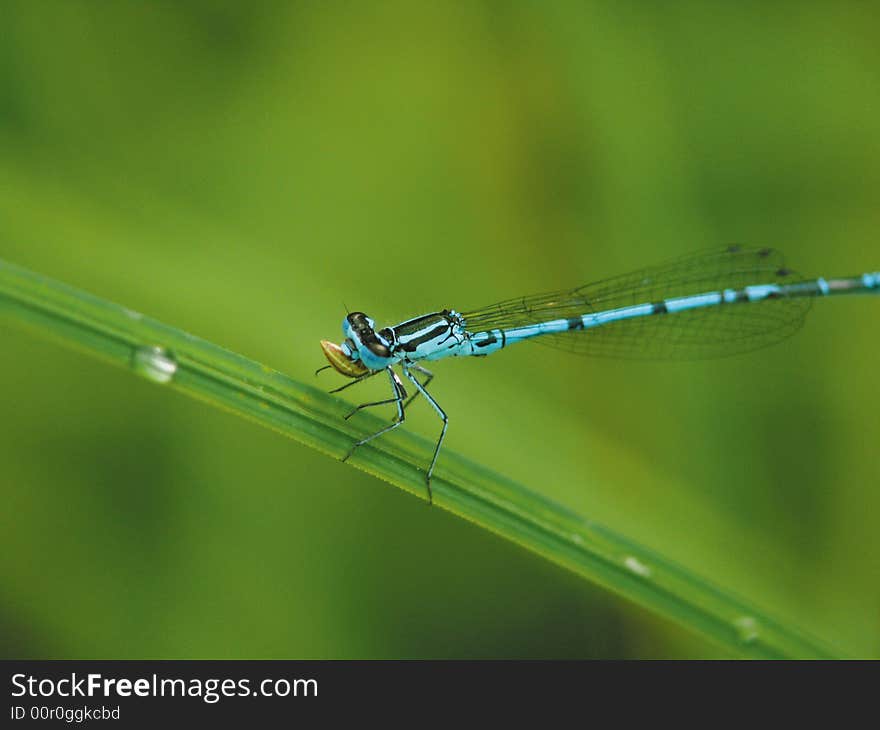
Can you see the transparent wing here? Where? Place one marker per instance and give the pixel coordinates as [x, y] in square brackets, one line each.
[709, 332]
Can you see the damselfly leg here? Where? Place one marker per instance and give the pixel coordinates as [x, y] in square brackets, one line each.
[443, 417]
[355, 381]
[399, 395]
[429, 377]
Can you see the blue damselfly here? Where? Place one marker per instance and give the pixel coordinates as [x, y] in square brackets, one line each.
[703, 305]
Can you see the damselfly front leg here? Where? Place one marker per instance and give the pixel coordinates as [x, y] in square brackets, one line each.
[399, 395]
[355, 381]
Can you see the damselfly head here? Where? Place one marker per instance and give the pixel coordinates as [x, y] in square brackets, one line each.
[360, 333]
[342, 361]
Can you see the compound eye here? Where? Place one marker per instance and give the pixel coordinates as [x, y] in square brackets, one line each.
[375, 346]
[360, 322]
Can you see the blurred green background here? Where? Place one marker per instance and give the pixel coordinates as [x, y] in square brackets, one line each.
[244, 170]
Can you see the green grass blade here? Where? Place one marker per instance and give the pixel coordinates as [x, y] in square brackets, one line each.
[311, 416]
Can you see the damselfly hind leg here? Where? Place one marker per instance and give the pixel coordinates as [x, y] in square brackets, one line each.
[399, 395]
[428, 379]
[443, 417]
